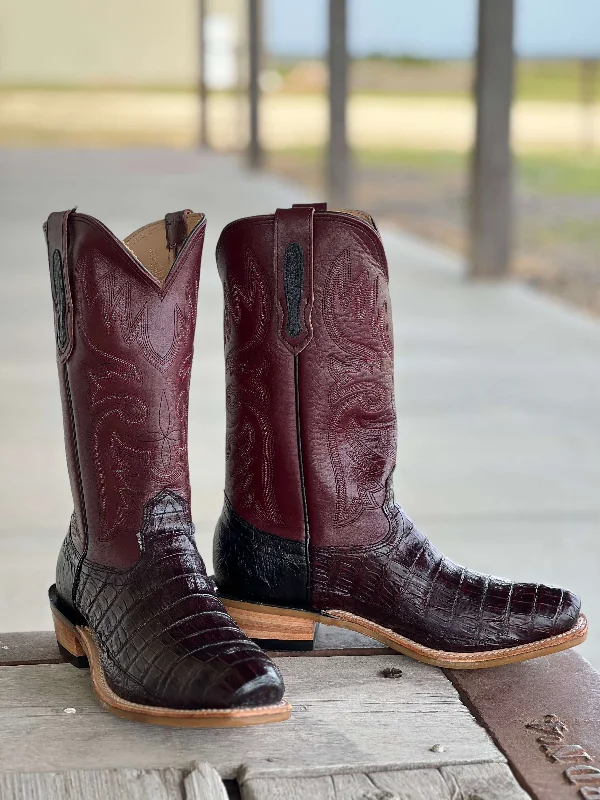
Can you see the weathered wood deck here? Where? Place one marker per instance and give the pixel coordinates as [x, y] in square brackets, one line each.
[354, 733]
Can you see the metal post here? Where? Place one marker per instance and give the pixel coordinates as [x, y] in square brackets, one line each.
[255, 153]
[203, 137]
[338, 154]
[491, 177]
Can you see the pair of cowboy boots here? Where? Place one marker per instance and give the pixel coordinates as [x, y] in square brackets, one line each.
[309, 530]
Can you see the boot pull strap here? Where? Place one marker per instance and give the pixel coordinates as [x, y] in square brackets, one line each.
[56, 232]
[316, 206]
[176, 230]
[293, 257]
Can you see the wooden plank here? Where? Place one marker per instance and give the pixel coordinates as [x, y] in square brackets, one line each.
[461, 782]
[357, 714]
[338, 154]
[255, 152]
[413, 784]
[491, 178]
[345, 714]
[488, 781]
[545, 716]
[36, 647]
[202, 783]
[92, 785]
[418, 784]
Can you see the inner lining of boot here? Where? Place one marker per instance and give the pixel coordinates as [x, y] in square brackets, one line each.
[354, 212]
[149, 245]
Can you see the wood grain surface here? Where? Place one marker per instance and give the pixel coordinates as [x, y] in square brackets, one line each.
[459, 782]
[200, 783]
[347, 715]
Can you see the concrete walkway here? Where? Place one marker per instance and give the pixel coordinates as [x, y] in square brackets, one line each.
[498, 389]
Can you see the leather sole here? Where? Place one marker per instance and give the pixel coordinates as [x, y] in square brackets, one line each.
[78, 645]
[282, 627]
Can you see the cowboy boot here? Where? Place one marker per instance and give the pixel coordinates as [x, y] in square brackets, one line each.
[132, 597]
[310, 531]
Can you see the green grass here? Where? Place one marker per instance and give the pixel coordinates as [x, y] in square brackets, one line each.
[427, 160]
[570, 231]
[560, 174]
[421, 160]
[551, 80]
[534, 80]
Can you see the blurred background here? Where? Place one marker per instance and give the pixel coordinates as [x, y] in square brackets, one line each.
[127, 74]
[470, 130]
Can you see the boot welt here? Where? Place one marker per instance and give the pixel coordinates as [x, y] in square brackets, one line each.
[291, 628]
[79, 646]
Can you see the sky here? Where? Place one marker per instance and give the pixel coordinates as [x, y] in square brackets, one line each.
[432, 28]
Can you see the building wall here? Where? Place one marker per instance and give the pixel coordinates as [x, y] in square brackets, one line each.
[104, 42]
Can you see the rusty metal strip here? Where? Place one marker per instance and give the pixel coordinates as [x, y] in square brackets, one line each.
[544, 715]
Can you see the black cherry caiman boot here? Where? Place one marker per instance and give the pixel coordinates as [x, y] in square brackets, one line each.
[309, 530]
[132, 597]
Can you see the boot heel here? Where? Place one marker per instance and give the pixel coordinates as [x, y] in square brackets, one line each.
[67, 639]
[274, 631]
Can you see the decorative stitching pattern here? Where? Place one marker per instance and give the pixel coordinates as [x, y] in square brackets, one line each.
[163, 461]
[138, 408]
[248, 401]
[118, 309]
[361, 436]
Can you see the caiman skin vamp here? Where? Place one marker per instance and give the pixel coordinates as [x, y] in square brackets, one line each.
[310, 530]
[132, 598]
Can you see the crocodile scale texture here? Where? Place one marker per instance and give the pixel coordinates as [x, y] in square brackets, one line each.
[405, 584]
[260, 565]
[164, 637]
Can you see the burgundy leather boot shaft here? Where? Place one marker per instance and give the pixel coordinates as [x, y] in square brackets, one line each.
[349, 446]
[311, 429]
[262, 478]
[125, 343]
[309, 521]
[309, 371]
